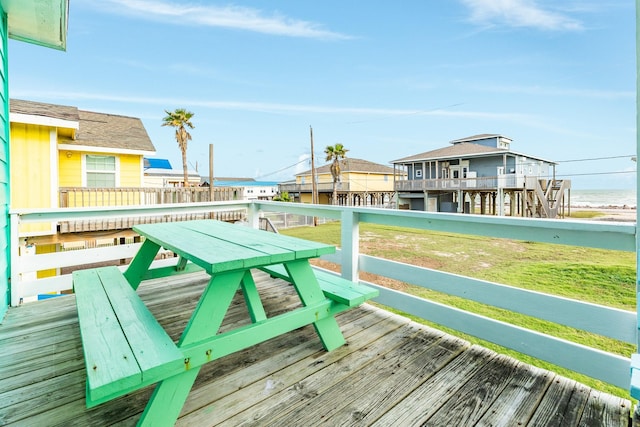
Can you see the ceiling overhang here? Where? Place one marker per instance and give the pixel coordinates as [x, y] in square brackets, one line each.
[41, 22]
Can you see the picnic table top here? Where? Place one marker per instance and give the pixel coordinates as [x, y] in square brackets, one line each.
[218, 246]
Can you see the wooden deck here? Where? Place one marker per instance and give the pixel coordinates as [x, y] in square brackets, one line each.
[392, 372]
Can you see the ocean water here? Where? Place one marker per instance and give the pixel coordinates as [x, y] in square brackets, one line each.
[603, 198]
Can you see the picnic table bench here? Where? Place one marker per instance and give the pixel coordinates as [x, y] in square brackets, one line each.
[126, 348]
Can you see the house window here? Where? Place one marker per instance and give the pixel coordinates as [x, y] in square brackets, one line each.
[100, 171]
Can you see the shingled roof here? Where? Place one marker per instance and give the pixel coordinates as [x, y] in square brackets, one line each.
[95, 129]
[42, 109]
[113, 131]
[353, 165]
[461, 149]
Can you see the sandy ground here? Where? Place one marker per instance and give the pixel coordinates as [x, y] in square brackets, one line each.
[610, 214]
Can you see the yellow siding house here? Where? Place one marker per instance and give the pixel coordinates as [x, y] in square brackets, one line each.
[361, 183]
[54, 146]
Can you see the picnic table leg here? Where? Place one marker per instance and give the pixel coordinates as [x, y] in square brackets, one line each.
[306, 284]
[252, 298]
[170, 394]
[141, 262]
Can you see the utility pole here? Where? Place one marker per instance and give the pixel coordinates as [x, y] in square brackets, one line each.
[211, 172]
[314, 189]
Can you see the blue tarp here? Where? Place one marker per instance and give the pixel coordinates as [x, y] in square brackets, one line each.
[157, 163]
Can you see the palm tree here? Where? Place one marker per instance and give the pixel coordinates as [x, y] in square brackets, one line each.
[180, 120]
[334, 154]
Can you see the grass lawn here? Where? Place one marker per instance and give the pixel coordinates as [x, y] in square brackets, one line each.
[594, 275]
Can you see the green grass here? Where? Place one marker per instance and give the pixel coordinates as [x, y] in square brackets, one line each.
[585, 214]
[593, 275]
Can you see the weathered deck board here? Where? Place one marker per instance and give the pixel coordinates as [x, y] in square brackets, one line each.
[391, 372]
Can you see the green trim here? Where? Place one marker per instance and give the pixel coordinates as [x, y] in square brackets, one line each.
[5, 236]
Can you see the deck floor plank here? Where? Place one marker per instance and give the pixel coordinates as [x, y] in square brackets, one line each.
[278, 394]
[391, 372]
[520, 398]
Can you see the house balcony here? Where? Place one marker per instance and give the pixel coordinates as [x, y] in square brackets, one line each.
[393, 371]
[322, 187]
[83, 197]
[507, 182]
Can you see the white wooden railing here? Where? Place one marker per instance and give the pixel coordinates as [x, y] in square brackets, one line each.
[609, 322]
[510, 181]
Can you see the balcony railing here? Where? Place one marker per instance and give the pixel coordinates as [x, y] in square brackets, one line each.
[609, 322]
[509, 181]
[322, 187]
[82, 197]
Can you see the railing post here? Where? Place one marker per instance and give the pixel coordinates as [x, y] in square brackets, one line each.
[350, 244]
[253, 215]
[635, 358]
[15, 276]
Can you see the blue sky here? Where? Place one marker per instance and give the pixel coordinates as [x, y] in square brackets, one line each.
[386, 79]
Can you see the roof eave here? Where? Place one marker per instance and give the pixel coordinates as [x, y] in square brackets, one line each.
[43, 23]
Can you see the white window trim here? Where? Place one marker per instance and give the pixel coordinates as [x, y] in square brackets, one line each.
[84, 168]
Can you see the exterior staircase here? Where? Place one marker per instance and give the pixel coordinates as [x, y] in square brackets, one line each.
[547, 198]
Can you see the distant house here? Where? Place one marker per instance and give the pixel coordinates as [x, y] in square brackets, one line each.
[361, 183]
[158, 173]
[480, 170]
[54, 147]
[249, 187]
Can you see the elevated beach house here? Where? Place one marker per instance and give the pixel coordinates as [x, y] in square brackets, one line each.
[362, 183]
[480, 174]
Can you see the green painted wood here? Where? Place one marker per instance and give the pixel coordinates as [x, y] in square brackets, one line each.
[306, 284]
[167, 400]
[154, 350]
[5, 180]
[244, 237]
[140, 263]
[110, 363]
[212, 307]
[335, 287]
[240, 235]
[124, 346]
[221, 345]
[155, 273]
[217, 246]
[252, 298]
[169, 395]
[214, 255]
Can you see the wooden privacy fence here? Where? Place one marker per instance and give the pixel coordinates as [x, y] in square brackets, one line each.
[83, 197]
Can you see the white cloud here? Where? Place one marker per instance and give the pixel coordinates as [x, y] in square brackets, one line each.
[232, 17]
[560, 91]
[303, 163]
[519, 13]
[266, 107]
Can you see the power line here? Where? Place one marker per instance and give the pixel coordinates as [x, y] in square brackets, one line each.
[595, 173]
[595, 158]
[283, 169]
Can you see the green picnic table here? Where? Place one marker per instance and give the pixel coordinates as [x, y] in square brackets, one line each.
[125, 347]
